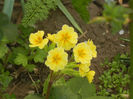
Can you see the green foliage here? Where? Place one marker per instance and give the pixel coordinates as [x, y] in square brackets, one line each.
[5, 80]
[81, 7]
[75, 88]
[21, 59]
[69, 16]
[7, 29]
[32, 96]
[45, 85]
[115, 79]
[37, 10]
[7, 96]
[3, 50]
[8, 8]
[115, 15]
[40, 56]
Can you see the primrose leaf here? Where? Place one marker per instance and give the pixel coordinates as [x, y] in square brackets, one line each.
[40, 56]
[81, 7]
[21, 59]
[62, 92]
[3, 50]
[84, 89]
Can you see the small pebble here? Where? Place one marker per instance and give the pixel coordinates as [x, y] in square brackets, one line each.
[121, 32]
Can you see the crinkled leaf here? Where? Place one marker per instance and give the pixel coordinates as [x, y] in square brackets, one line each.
[62, 92]
[16, 50]
[21, 59]
[40, 55]
[83, 89]
[3, 50]
[5, 79]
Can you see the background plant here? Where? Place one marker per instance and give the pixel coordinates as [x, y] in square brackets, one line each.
[115, 79]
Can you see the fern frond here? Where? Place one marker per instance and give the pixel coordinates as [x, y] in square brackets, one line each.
[37, 10]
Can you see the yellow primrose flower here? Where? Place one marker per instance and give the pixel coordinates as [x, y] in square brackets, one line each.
[82, 53]
[83, 69]
[36, 39]
[66, 38]
[57, 59]
[51, 37]
[90, 75]
[93, 48]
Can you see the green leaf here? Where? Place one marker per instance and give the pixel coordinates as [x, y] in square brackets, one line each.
[5, 79]
[21, 59]
[3, 50]
[69, 16]
[59, 82]
[81, 7]
[72, 65]
[32, 96]
[40, 55]
[45, 85]
[30, 67]
[70, 72]
[98, 97]
[51, 46]
[62, 92]
[7, 96]
[10, 31]
[83, 89]
[15, 51]
[8, 7]
[115, 15]
[4, 20]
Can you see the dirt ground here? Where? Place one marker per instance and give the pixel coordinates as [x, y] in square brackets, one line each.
[108, 45]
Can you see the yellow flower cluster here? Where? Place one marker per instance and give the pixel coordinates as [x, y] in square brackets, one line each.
[66, 39]
[83, 53]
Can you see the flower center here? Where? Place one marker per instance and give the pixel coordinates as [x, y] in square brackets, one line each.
[81, 53]
[65, 37]
[56, 58]
[38, 40]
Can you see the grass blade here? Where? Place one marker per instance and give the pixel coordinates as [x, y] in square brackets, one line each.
[68, 15]
[8, 8]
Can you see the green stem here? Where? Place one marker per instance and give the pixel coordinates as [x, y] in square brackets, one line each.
[49, 85]
[131, 46]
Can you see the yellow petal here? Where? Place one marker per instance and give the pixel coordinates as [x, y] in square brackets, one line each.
[44, 42]
[90, 76]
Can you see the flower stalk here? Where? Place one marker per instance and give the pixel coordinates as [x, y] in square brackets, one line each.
[49, 85]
